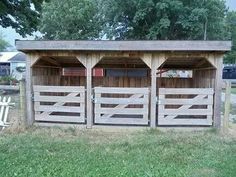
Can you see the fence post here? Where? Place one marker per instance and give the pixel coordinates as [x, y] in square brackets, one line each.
[227, 106]
[22, 104]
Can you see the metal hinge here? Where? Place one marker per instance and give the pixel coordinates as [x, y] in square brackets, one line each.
[32, 97]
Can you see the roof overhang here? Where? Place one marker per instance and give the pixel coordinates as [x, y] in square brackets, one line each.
[105, 45]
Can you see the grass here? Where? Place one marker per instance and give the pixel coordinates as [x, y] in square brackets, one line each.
[56, 152]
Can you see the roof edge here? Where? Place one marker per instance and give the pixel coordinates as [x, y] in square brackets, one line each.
[126, 45]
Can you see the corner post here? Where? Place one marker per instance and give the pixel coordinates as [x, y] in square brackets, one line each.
[218, 90]
[30, 61]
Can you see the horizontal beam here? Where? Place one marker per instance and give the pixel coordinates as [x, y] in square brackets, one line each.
[104, 45]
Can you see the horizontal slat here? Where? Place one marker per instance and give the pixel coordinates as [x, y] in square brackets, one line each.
[55, 118]
[186, 112]
[51, 108]
[120, 90]
[184, 122]
[76, 89]
[186, 91]
[133, 111]
[59, 99]
[9, 87]
[121, 121]
[103, 100]
[179, 101]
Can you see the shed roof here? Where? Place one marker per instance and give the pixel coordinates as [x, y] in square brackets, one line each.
[105, 45]
[6, 56]
[19, 57]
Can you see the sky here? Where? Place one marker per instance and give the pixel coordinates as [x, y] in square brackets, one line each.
[10, 35]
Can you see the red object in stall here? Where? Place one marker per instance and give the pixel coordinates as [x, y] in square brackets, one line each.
[75, 71]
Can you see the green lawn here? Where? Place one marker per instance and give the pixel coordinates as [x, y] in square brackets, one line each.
[56, 152]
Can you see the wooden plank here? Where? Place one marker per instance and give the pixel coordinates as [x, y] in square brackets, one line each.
[49, 108]
[177, 101]
[133, 111]
[119, 90]
[64, 99]
[186, 91]
[55, 118]
[184, 122]
[186, 112]
[40, 88]
[125, 101]
[122, 121]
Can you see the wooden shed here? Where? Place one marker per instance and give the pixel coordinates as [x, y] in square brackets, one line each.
[133, 83]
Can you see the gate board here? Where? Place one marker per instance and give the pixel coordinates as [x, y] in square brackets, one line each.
[127, 106]
[184, 106]
[59, 103]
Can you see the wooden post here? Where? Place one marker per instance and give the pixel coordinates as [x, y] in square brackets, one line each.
[89, 97]
[153, 97]
[89, 61]
[29, 103]
[30, 61]
[227, 106]
[157, 61]
[218, 90]
[22, 104]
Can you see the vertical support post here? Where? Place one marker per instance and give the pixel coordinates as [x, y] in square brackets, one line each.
[89, 95]
[89, 61]
[29, 103]
[153, 97]
[227, 106]
[30, 61]
[218, 88]
[157, 61]
[22, 104]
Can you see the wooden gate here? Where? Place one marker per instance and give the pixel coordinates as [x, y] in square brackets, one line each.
[185, 106]
[127, 106]
[59, 104]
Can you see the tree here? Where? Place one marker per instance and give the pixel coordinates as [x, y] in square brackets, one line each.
[134, 19]
[22, 15]
[71, 19]
[3, 43]
[231, 26]
[165, 19]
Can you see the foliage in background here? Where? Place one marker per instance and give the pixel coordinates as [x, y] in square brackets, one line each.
[134, 19]
[22, 15]
[3, 43]
[8, 80]
[166, 19]
[231, 25]
[71, 19]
